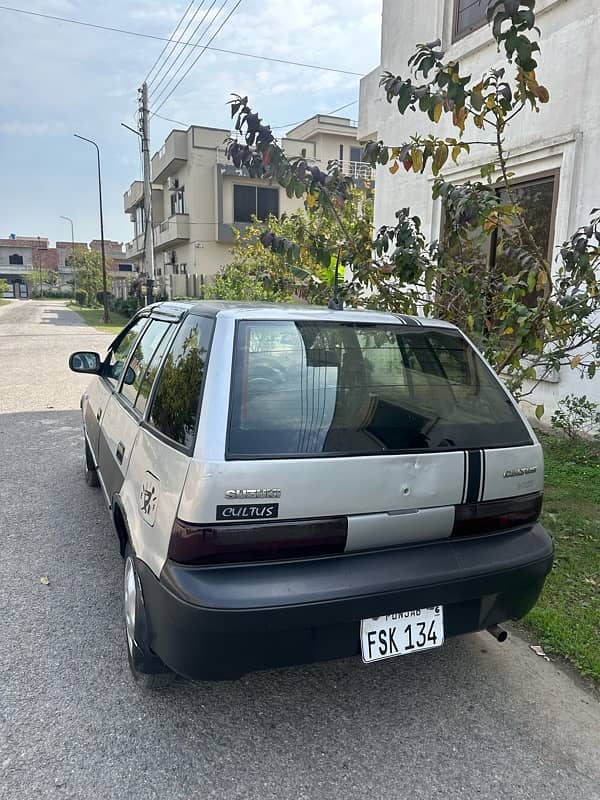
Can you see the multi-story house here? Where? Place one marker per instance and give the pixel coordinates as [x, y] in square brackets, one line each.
[120, 269]
[554, 154]
[20, 256]
[200, 198]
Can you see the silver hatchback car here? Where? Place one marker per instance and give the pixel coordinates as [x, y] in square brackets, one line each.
[294, 484]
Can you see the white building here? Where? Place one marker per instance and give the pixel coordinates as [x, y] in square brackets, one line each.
[199, 197]
[555, 153]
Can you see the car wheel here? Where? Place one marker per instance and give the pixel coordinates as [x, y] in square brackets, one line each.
[147, 669]
[91, 474]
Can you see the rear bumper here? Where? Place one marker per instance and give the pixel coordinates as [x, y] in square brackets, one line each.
[221, 622]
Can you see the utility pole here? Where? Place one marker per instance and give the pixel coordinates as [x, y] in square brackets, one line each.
[148, 231]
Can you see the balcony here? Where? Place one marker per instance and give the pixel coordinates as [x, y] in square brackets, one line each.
[135, 247]
[172, 231]
[359, 171]
[16, 269]
[171, 156]
[133, 196]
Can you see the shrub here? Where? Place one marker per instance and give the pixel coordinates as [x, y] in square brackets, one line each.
[81, 297]
[126, 307]
[577, 416]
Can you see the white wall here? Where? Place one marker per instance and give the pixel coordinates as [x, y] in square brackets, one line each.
[565, 135]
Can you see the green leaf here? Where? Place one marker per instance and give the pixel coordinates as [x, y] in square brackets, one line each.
[540, 411]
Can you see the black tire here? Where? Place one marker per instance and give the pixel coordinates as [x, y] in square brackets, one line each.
[91, 475]
[147, 669]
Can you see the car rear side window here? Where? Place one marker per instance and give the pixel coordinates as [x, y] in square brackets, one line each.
[142, 358]
[176, 404]
[318, 388]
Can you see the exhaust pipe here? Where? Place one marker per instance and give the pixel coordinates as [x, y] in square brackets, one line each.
[498, 633]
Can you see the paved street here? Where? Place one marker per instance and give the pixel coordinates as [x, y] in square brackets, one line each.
[474, 719]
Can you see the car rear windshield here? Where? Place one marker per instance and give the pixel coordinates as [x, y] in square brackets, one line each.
[305, 388]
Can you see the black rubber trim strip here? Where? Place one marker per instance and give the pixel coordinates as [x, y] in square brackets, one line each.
[482, 475]
[474, 476]
[408, 320]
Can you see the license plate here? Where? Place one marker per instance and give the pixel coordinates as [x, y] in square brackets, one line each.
[402, 633]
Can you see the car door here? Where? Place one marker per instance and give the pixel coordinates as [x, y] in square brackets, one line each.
[160, 460]
[97, 395]
[126, 406]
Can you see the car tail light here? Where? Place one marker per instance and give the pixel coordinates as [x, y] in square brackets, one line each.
[492, 516]
[243, 542]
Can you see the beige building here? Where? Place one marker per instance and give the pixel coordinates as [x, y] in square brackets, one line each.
[199, 197]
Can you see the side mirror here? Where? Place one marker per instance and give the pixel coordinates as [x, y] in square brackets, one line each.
[85, 362]
[129, 376]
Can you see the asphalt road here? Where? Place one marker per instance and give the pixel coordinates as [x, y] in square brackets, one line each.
[474, 719]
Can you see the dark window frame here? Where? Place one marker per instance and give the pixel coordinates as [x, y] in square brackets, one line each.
[519, 183]
[123, 399]
[15, 260]
[114, 387]
[145, 422]
[256, 189]
[353, 150]
[458, 35]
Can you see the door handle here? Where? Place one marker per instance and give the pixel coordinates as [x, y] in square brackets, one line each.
[99, 414]
[120, 452]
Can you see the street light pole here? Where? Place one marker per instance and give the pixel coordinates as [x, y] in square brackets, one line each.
[104, 286]
[72, 253]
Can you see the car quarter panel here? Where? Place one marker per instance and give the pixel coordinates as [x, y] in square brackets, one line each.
[150, 496]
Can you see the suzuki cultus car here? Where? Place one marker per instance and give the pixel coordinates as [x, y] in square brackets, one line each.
[294, 484]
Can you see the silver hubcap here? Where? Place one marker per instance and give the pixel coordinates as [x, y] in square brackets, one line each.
[130, 601]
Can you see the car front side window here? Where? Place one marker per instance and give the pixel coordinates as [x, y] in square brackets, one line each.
[141, 359]
[119, 355]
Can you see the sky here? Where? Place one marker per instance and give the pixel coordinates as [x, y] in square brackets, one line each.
[59, 79]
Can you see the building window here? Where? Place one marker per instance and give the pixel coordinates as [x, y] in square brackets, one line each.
[341, 153]
[15, 258]
[537, 197]
[257, 201]
[468, 16]
[356, 154]
[125, 268]
[178, 202]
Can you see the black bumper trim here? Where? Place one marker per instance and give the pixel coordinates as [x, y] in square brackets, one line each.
[221, 622]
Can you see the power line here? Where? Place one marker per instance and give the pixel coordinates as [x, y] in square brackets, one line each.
[273, 127]
[186, 44]
[188, 53]
[201, 53]
[182, 50]
[300, 121]
[168, 119]
[167, 44]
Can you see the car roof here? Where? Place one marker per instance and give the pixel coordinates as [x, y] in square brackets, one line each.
[271, 311]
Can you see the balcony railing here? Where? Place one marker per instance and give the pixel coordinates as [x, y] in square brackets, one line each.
[172, 230]
[133, 196]
[135, 246]
[171, 156]
[357, 170]
[17, 269]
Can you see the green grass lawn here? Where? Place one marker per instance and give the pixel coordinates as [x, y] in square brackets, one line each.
[567, 617]
[94, 317]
